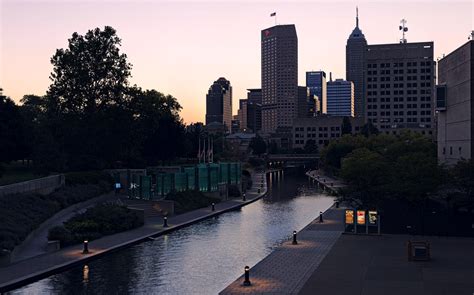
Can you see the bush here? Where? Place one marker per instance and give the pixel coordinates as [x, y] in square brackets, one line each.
[88, 177]
[190, 200]
[234, 191]
[94, 223]
[22, 213]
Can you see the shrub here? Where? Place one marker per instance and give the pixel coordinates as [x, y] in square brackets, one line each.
[94, 223]
[234, 191]
[190, 200]
[88, 177]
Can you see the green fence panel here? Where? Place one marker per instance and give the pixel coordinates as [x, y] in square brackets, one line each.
[180, 181]
[203, 178]
[191, 175]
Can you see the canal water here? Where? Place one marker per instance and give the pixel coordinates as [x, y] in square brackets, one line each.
[200, 259]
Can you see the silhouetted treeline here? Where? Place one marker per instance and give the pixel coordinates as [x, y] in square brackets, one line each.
[91, 117]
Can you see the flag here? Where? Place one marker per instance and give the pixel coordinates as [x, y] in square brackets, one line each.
[273, 14]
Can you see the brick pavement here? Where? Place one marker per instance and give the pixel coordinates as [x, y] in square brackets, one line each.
[286, 269]
[32, 269]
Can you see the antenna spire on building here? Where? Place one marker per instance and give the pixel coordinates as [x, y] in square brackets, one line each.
[357, 16]
[404, 29]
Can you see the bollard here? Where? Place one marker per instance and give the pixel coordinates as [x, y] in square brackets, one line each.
[258, 190]
[213, 207]
[165, 221]
[247, 276]
[243, 197]
[320, 216]
[337, 204]
[294, 238]
[85, 247]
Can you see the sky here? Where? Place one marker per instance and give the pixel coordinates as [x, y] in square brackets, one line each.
[181, 47]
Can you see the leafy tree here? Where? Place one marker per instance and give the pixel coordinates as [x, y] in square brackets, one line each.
[346, 127]
[310, 147]
[367, 173]
[90, 74]
[258, 145]
[12, 144]
[338, 149]
[463, 175]
[369, 129]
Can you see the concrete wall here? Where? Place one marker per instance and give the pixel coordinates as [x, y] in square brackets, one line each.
[455, 140]
[42, 186]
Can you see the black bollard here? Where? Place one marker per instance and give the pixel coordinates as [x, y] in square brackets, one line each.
[85, 247]
[337, 204]
[243, 197]
[213, 207]
[320, 216]
[258, 190]
[165, 221]
[294, 238]
[247, 276]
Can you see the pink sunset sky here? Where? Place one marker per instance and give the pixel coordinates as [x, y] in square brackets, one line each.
[180, 48]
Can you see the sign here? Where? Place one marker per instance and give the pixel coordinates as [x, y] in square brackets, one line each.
[349, 216]
[360, 217]
[118, 185]
[372, 217]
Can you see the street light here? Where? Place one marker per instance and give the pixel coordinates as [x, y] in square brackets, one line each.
[294, 238]
[85, 247]
[213, 206]
[247, 276]
[165, 221]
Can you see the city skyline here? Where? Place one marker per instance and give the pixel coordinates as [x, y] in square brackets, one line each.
[183, 65]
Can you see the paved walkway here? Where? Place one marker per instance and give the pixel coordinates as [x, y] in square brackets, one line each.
[36, 242]
[286, 269]
[32, 269]
[330, 183]
[372, 265]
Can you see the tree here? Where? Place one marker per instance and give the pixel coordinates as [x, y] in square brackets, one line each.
[367, 173]
[12, 143]
[369, 129]
[310, 147]
[346, 127]
[258, 145]
[463, 176]
[90, 74]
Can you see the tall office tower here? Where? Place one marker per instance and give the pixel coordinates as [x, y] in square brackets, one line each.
[242, 114]
[304, 104]
[399, 87]
[254, 110]
[316, 82]
[355, 68]
[340, 98]
[455, 105]
[219, 103]
[279, 49]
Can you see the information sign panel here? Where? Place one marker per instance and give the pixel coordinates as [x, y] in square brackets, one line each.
[360, 217]
[349, 216]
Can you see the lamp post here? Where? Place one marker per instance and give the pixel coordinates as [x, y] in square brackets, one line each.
[243, 197]
[321, 216]
[165, 221]
[85, 247]
[294, 238]
[247, 276]
[213, 207]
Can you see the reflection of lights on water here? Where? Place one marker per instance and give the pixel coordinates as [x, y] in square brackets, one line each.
[85, 274]
[165, 241]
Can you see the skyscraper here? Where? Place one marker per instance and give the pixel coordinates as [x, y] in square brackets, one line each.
[400, 86]
[219, 103]
[340, 98]
[355, 68]
[316, 82]
[279, 49]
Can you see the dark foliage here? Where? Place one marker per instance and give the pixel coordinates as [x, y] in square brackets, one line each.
[190, 200]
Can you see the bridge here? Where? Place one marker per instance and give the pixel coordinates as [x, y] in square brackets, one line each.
[291, 160]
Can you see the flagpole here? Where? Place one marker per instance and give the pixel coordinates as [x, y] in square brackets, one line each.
[199, 150]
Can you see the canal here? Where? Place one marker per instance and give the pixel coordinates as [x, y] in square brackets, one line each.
[202, 258]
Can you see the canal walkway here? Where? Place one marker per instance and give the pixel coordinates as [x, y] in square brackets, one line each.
[29, 270]
[286, 270]
[326, 182]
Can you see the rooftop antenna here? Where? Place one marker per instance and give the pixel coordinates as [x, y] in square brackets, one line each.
[404, 29]
[357, 16]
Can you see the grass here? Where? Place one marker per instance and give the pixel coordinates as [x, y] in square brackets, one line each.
[17, 172]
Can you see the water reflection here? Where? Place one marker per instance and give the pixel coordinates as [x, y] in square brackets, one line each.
[203, 258]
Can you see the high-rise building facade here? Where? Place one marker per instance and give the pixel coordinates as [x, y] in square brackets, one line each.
[242, 114]
[279, 69]
[340, 98]
[455, 105]
[355, 66]
[399, 87]
[219, 103]
[316, 83]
